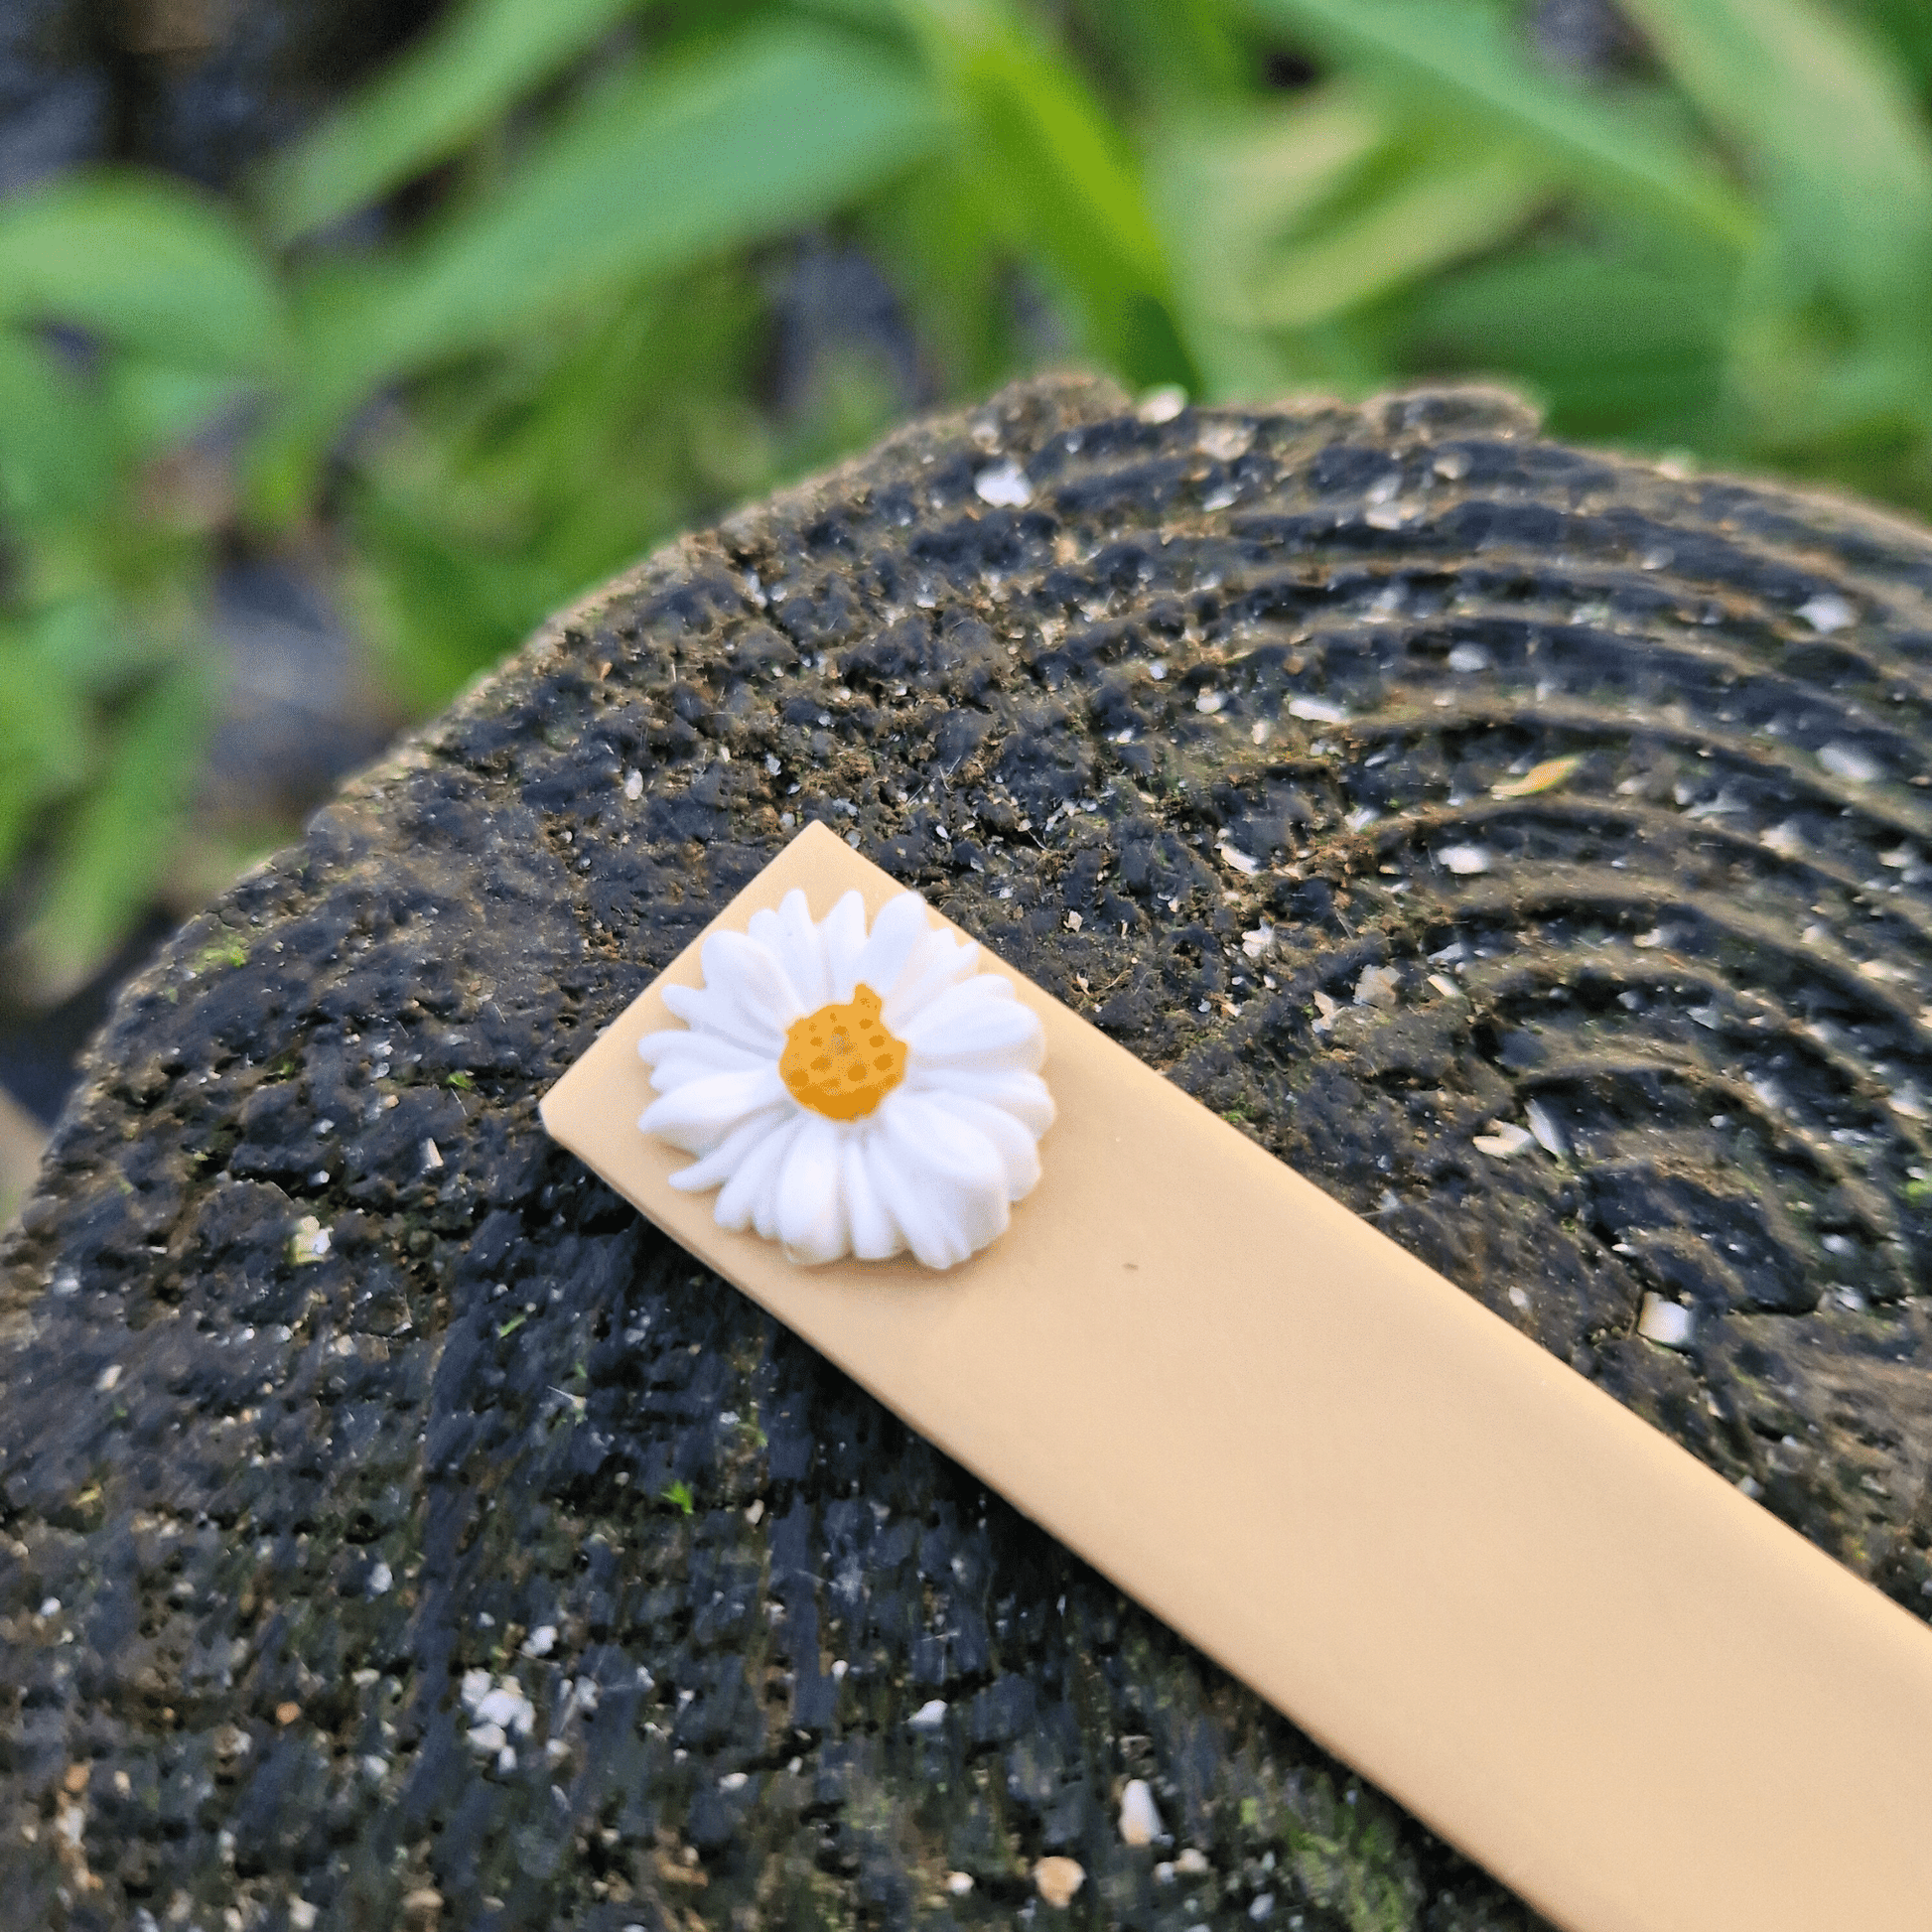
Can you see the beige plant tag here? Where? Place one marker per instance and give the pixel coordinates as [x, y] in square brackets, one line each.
[1582, 1657]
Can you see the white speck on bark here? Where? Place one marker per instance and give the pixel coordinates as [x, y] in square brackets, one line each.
[1666, 1324]
[507, 1708]
[1317, 711]
[1224, 441]
[1057, 1879]
[1826, 612]
[1850, 763]
[1140, 1816]
[1005, 486]
[1549, 1136]
[309, 1242]
[1377, 987]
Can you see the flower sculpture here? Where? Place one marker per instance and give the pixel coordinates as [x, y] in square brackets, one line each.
[852, 1092]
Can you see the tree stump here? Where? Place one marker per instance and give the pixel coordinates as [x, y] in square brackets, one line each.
[1528, 845]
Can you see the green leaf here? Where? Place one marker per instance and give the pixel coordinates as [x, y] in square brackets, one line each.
[680, 166]
[428, 104]
[1062, 176]
[44, 738]
[442, 610]
[1227, 189]
[1060, 145]
[1614, 346]
[1460, 59]
[1170, 48]
[1905, 28]
[947, 255]
[121, 836]
[1447, 207]
[1232, 187]
[57, 446]
[155, 404]
[1829, 121]
[145, 262]
[91, 642]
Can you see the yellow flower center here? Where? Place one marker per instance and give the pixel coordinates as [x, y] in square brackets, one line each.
[840, 1062]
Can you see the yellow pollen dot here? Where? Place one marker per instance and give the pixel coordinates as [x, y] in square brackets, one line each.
[840, 1062]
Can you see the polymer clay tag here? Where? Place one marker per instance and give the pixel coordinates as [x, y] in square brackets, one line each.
[1578, 1654]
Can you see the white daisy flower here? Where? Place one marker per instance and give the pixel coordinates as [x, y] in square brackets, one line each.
[850, 1092]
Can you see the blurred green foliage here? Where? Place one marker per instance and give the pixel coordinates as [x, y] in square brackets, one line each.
[500, 323]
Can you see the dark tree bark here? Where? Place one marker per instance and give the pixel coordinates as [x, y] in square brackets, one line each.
[1413, 781]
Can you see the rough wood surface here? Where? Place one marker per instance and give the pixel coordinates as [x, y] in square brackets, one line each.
[396, 1532]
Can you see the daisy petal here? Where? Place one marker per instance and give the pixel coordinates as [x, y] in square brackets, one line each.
[678, 1054]
[746, 995]
[984, 1032]
[803, 948]
[900, 926]
[742, 1198]
[762, 928]
[809, 1209]
[1018, 1155]
[843, 930]
[937, 963]
[725, 1158]
[1022, 1095]
[926, 1228]
[955, 999]
[875, 1234]
[699, 1115]
[951, 1173]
